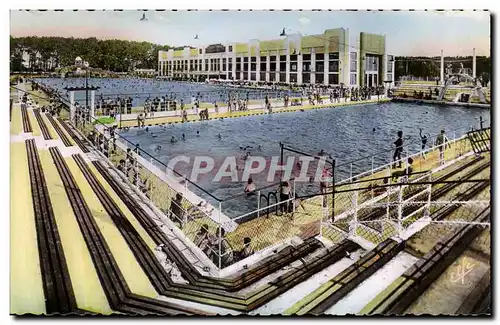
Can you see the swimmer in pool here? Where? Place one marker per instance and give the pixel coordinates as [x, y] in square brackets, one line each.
[197, 133]
[374, 129]
[245, 157]
[219, 136]
[183, 137]
[147, 128]
[158, 148]
[173, 140]
[259, 148]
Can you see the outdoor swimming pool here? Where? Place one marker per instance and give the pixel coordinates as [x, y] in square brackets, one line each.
[345, 133]
[141, 89]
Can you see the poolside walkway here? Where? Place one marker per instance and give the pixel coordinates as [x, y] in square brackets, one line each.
[169, 117]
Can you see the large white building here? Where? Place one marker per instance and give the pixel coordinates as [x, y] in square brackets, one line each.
[331, 58]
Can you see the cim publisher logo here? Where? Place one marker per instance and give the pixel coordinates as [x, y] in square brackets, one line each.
[240, 169]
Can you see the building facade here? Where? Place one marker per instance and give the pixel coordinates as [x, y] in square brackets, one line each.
[331, 58]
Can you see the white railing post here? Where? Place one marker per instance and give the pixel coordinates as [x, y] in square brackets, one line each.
[454, 145]
[372, 164]
[293, 200]
[350, 177]
[354, 227]
[220, 237]
[258, 204]
[429, 196]
[400, 210]
[325, 216]
[406, 164]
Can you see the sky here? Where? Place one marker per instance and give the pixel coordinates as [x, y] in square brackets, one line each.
[414, 33]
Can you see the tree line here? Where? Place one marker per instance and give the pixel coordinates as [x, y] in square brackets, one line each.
[112, 55]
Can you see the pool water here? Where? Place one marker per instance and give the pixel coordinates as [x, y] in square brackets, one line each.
[346, 133]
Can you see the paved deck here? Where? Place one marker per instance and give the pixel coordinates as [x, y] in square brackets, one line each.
[250, 112]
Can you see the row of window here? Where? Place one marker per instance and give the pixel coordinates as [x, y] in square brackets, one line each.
[333, 66]
[333, 78]
[272, 58]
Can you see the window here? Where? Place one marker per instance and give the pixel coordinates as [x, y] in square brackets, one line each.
[306, 66]
[320, 78]
[253, 67]
[282, 77]
[230, 48]
[333, 79]
[371, 63]
[306, 78]
[293, 77]
[245, 59]
[293, 67]
[389, 66]
[262, 67]
[200, 51]
[282, 66]
[353, 79]
[334, 56]
[272, 66]
[262, 76]
[354, 56]
[306, 57]
[253, 59]
[293, 57]
[389, 77]
[333, 66]
[263, 58]
[353, 66]
[272, 58]
[320, 57]
[253, 76]
[282, 58]
[238, 60]
[320, 66]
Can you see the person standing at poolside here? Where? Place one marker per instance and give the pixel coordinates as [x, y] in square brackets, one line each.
[284, 197]
[442, 142]
[423, 139]
[399, 150]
